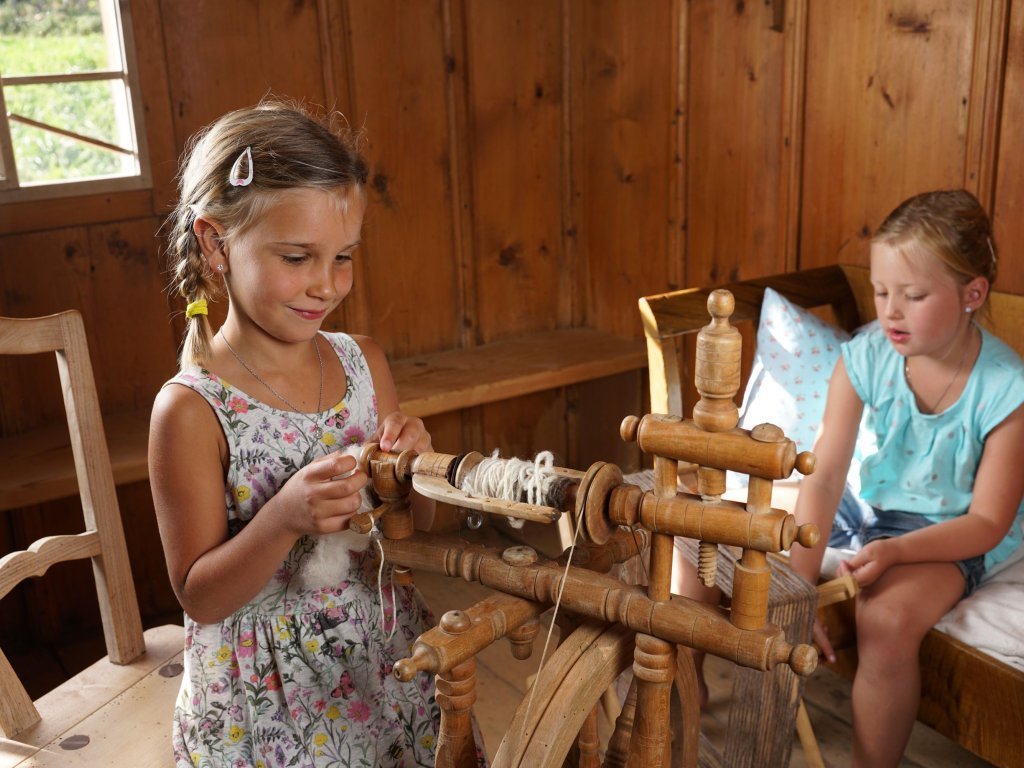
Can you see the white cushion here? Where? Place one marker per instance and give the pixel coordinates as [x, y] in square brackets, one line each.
[795, 356]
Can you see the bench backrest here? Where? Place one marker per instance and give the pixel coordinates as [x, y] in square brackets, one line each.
[103, 537]
[845, 290]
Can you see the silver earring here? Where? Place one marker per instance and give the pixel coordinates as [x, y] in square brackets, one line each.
[968, 310]
[220, 268]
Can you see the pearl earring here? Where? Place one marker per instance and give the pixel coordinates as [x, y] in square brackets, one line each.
[968, 310]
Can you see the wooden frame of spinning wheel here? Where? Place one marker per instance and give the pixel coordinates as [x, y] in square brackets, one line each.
[618, 622]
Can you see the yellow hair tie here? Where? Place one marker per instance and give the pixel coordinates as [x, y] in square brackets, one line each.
[197, 307]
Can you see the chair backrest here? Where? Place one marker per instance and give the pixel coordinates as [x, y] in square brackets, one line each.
[668, 316]
[103, 538]
[845, 289]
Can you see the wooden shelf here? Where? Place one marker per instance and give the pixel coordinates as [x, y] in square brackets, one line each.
[460, 378]
[38, 466]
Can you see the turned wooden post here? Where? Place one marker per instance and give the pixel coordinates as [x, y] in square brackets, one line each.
[717, 379]
[588, 742]
[654, 660]
[456, 692]
[618, 744]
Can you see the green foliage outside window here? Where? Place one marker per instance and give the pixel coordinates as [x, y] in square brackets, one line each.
[58, 37]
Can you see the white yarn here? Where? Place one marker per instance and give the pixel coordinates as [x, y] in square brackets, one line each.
[509, 479]
[330, 559]
[551, 626]
[375, 535]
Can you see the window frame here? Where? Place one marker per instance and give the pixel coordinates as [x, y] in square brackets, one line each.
[11, 190]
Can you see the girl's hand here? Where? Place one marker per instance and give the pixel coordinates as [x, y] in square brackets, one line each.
[821, 639]
[322, 496]
[399, 432]
[869, 563]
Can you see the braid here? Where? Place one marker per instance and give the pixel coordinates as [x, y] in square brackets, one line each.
[191, 279]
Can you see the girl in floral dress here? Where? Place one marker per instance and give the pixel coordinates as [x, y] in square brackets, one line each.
[288, 653]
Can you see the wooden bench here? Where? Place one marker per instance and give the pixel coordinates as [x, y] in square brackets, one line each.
[970, 697]
[38, 466]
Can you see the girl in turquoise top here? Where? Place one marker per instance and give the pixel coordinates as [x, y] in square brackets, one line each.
[941, 497]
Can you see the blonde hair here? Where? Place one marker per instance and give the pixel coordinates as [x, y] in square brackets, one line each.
[291, 147]
[951, 225]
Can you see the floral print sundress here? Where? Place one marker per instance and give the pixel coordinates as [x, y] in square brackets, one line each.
[302, 674]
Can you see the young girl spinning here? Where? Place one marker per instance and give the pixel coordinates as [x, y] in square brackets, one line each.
[940, 503]
[285, 663]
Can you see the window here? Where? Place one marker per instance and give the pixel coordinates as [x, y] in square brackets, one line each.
[70, 108]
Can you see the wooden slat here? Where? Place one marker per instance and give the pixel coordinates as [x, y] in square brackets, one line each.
[514, 119]
[735, 145]
[17, 566]
[461, 378]
[1008, 209]
[683, 312]
[402, 108]
[903, 73]
[31, 336]
[627, 106]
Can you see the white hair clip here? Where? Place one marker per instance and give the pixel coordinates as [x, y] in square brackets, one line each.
[235, 178]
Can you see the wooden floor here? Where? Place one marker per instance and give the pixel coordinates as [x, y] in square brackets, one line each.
[501, 685]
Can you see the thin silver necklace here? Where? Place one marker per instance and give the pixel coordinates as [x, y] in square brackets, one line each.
[959, 367]
[318, 431]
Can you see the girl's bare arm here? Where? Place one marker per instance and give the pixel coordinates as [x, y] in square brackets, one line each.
[821, 491]
[212, 575]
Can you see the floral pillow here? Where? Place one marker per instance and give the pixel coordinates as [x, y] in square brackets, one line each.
[796, 353]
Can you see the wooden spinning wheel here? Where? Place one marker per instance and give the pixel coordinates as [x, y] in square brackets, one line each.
[617, 624]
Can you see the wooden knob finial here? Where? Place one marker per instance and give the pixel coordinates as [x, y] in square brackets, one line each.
[808, 535]
[803, 659]
[721, 304]
[805, 462]
[717, 369]
[629, 429]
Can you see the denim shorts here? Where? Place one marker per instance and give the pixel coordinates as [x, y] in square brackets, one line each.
[857, 523]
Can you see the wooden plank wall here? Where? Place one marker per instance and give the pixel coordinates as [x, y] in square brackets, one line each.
[535, 165]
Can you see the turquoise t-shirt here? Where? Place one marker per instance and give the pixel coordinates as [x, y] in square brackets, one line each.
[926, 463]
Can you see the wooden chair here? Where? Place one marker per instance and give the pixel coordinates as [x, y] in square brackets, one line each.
[117, 711]
[966, 695]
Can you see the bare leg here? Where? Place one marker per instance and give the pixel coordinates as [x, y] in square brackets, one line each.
[685, 582]
[893, 616]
